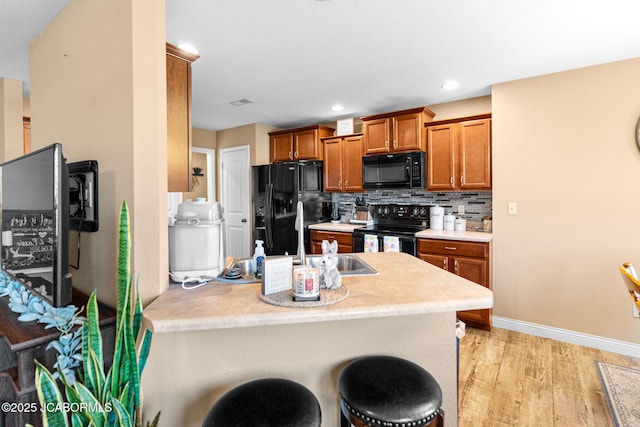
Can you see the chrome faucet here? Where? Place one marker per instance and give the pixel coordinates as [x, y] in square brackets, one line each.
[301, 256]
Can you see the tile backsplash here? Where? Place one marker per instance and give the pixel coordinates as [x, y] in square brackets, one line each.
[477, 205]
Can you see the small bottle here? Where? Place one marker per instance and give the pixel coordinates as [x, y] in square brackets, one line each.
[258, 259]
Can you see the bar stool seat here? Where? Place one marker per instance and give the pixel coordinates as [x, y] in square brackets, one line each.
[270, 402]
[389, 391]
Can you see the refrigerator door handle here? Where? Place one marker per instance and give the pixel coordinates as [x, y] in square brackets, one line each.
[268, 216]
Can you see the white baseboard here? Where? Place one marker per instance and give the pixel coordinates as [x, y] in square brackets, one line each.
[593, 341]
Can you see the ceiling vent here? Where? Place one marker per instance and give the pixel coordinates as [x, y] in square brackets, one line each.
[241, 102]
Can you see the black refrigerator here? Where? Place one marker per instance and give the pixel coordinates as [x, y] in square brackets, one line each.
[276, 189]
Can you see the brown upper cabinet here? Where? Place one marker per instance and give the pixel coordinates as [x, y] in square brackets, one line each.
[179, 118]
[459, 154]
[343, 163]
[297, 144]
[26, 135]
[396, 131]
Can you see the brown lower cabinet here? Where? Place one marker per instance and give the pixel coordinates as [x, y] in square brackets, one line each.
[345, 241]
[471, 260]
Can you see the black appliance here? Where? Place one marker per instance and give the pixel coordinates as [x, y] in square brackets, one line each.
[276, 190]
[403, 170]
[402, 221]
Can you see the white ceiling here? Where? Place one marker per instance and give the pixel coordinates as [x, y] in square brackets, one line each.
[296, 58]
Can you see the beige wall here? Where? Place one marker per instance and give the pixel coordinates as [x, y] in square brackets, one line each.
[84, 75]
[204, 138]
[564, 150]
[11, 112]
[466, 107]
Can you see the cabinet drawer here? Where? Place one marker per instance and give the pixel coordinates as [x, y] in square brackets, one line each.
[453, 248]
[341, 238]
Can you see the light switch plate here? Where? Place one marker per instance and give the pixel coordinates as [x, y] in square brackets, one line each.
[512, 208]
[460, 209]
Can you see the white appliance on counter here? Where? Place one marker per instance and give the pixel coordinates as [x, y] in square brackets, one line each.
[196, 241]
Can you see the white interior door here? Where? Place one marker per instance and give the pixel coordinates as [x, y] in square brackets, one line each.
[235, 196]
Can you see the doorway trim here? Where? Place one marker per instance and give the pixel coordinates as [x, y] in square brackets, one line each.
[211, 168]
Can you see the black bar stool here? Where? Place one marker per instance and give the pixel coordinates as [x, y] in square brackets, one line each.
[389, 391]
[270, 402]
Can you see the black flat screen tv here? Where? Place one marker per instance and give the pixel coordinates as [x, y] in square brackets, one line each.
[34, 200]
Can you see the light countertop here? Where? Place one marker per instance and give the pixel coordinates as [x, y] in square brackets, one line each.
[469, 236]
[405, 285]
[328, 226]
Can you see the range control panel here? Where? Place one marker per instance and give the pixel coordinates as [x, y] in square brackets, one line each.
[418, 212]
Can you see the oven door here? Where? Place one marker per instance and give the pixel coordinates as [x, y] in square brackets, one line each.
[407, 242]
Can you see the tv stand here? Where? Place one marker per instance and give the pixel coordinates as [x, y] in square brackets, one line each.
[23, 342]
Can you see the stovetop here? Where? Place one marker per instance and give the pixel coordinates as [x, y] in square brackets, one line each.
[399, 219]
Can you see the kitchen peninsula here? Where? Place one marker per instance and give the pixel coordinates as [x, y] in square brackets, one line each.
[407, 310]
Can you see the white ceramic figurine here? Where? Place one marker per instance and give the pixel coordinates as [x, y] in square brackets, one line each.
[329, 275]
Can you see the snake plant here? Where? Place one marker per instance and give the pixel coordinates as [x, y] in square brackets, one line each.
[98, 398]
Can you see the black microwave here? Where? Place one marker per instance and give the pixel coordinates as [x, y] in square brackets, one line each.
[401, 170]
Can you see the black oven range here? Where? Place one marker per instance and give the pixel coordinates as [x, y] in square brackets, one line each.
[399, 222]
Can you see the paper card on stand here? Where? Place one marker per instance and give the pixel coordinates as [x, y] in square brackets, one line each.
[277, 275]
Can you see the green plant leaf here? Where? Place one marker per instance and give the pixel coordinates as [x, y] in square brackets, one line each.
[137, 314]
[124, 417]
[155, 421]
[92, 325]
[97, 416]
[50, 398]
[144, 350]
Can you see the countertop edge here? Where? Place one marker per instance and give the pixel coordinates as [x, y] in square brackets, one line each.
[244, 321]
[468, 236]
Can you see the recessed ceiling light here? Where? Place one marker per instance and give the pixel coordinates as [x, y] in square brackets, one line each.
[337, 107]
[241, 102]
[189, 48]
[450, 85]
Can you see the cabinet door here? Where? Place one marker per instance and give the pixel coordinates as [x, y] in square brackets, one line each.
[352, 163]
[376, 135]
[26, 135]
[437, 260]
[441, 157]
[281, 147]
[332, 169]
[306, 145]
[474, 139]
[472, 269]
[407, 132]
[178, 124]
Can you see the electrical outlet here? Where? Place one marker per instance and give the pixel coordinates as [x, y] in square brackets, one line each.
[512, 208]
[460, 209]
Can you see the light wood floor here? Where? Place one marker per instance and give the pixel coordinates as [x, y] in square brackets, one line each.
[513, 379]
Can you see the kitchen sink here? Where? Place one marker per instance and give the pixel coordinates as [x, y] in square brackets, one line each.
[348, 264]
[240, 270]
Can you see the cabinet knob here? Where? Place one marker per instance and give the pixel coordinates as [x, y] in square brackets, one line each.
[291, 155]
[462, 180]
[450, 248]
[451, 182]
[395, 144]
[386, 145]
[446, 264]
[455, 266]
